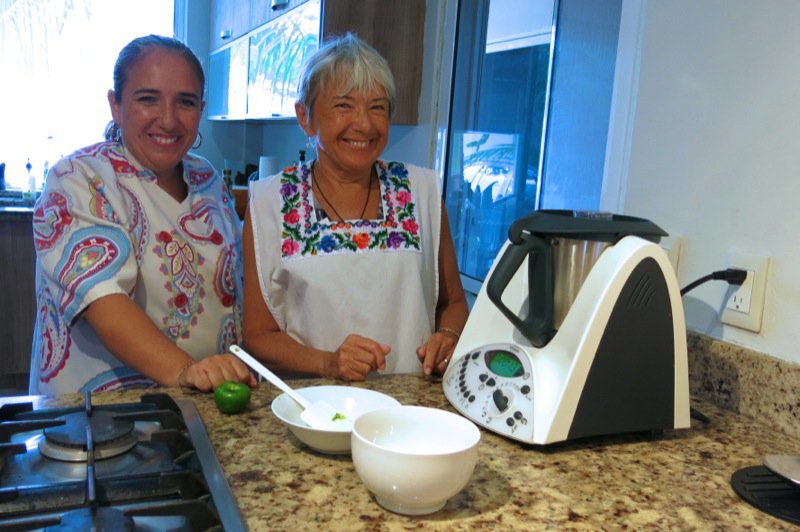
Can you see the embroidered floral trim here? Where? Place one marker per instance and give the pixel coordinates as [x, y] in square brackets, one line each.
[304, 235]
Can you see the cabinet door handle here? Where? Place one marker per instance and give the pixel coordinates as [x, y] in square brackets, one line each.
[278, 4]
[225, 34]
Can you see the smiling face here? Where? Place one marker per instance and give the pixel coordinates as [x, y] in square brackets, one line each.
[351, 129]
[159, 110]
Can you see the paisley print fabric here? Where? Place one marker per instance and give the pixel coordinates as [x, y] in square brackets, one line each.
[103, 226]
[93, 254]
[98, 204]
[137, 224]
[201, 222]
[225, 280]
[116, 379]
[183, 282]
[51, 337]
[51, 217]
[228, 333]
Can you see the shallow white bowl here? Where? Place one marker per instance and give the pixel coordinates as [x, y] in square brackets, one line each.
[414, 458]
[349, 400]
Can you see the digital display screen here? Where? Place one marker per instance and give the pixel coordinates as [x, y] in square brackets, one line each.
[503, 363]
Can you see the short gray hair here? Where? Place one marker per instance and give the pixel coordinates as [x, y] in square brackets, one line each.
[352, 64]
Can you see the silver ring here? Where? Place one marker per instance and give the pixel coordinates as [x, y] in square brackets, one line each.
[446, 360]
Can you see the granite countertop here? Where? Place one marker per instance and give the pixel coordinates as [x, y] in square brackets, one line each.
[679, 480]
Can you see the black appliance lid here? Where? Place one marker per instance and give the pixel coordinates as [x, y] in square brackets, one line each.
[583, 225]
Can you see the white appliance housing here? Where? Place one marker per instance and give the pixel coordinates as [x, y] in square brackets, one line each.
[617, 363]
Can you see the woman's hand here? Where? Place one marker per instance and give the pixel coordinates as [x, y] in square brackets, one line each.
[356, 358]
[210, 372]
[436, 352]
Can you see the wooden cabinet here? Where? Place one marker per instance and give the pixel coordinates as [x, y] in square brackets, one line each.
[262, 11]
[394, 28]
[17, 299]
[232, 19]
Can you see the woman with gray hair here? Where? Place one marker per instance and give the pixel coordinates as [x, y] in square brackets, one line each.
[349, 263]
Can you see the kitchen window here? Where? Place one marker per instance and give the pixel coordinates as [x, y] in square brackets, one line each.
[531, 98]
[56, 63]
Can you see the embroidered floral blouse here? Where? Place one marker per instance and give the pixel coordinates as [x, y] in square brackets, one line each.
[103, 226]
[324, 279]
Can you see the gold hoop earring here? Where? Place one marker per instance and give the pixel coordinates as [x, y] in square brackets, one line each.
[199, 141]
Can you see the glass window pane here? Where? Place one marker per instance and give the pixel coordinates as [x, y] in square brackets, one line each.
[499, 99]
[580, 104]
[507, 73]
[277, 53]
[56, 63]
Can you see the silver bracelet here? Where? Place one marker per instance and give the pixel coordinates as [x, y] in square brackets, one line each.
[181, 373]
[450, 331]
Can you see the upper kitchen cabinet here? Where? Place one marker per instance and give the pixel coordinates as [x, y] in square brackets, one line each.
[278, 50]
[262, 11]
[279, 40]
[230, 19]
[227, 82]
[396, 30]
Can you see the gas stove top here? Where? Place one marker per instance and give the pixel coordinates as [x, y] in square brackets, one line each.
[127, 466]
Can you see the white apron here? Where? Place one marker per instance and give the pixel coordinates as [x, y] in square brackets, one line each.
[323, 280]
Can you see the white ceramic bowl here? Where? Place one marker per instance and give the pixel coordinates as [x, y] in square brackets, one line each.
[349, 400]
[414, 458]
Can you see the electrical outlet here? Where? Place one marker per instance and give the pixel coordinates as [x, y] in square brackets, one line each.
[673, 245]
[739, 300]
[745, 305]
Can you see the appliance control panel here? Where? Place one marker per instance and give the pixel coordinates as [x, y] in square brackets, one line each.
[493, 386]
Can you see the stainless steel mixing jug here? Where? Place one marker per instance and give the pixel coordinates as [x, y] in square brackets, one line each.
[561, 248]
[572, 261]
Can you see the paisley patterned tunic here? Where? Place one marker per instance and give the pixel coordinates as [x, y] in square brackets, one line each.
[103, 226]
[324, 279]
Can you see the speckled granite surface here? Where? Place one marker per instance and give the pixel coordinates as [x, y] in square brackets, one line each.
[747, 382]
[676, 481]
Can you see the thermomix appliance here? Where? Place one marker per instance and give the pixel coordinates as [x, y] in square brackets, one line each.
[578, 331]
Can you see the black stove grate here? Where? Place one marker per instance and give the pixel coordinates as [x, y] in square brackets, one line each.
[171, 479]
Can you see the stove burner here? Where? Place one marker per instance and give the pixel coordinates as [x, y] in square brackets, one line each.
[169, 480]
[99, 519]
[67, 442]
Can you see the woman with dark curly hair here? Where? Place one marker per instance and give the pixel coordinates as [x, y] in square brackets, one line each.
[138, 261]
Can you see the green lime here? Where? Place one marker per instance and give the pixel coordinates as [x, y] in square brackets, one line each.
[232, 397]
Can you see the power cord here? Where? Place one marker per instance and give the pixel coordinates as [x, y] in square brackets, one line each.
[734, 276]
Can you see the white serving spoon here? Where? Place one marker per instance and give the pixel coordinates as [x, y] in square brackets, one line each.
[318, 415]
